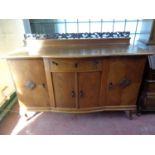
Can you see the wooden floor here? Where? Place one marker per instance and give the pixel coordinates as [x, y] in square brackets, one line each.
[101, 123]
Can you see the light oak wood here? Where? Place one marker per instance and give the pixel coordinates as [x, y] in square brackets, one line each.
[72, 52]
[89, 89]
[104, 79]
[78, 90]
[93, 82]
[78, 42]
[130, 68]
[75, 65]
[86, 76]
[30, 69]
[82, 110]
[64, 89]
[49, 82]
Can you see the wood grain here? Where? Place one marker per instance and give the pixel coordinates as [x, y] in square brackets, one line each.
[75, 65]
[64, 86]
[83, 110]
[30, 69]
[80, 89]
[89, 84]
[79, 42]
[49, 82]
[128, 68]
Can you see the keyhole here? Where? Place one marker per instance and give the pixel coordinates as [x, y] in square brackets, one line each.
[110, 85]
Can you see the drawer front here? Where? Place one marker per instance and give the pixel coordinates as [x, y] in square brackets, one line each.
[90, 65]
[75, 65]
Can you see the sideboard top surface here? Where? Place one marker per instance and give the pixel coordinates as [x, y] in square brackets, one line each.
[78, 51]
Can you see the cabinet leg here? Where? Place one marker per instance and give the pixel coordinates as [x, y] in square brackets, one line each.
[27, 115]
[23, 112]
[129, 114]
[138, 114]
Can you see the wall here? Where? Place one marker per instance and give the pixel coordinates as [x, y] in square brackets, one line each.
[11, 37]
[11, 34]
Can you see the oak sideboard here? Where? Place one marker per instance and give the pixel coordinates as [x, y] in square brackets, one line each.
[78, 79]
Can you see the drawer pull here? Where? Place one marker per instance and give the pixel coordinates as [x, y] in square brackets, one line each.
[124, 83]
[55, 63]
[75, 65]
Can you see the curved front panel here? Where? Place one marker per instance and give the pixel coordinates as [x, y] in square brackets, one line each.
[78, 85]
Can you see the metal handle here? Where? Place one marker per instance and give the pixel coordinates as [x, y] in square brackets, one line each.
[55, 63]
[81, 94]
[73, 93]
[124, 83]
[29, 84]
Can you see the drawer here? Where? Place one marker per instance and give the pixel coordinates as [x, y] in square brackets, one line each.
[57, 65]
[90, 65]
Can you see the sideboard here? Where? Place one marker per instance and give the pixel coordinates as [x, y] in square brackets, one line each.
[78, 79]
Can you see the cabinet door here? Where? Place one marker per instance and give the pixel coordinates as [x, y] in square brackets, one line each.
[64, 89]
[124, 80]
[30, 81]
[89, 89]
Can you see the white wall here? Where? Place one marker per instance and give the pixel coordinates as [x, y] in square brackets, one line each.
[11, 37]
[11, 34]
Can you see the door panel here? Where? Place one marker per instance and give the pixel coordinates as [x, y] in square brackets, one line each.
[64, 89]
[124, 80]
[25, 70]
[89, 89]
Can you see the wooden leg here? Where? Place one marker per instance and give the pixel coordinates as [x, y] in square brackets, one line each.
[27, 115]
[138, 114]
[31, 115]
[140, 104]
[23, 112]
[129, 114]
